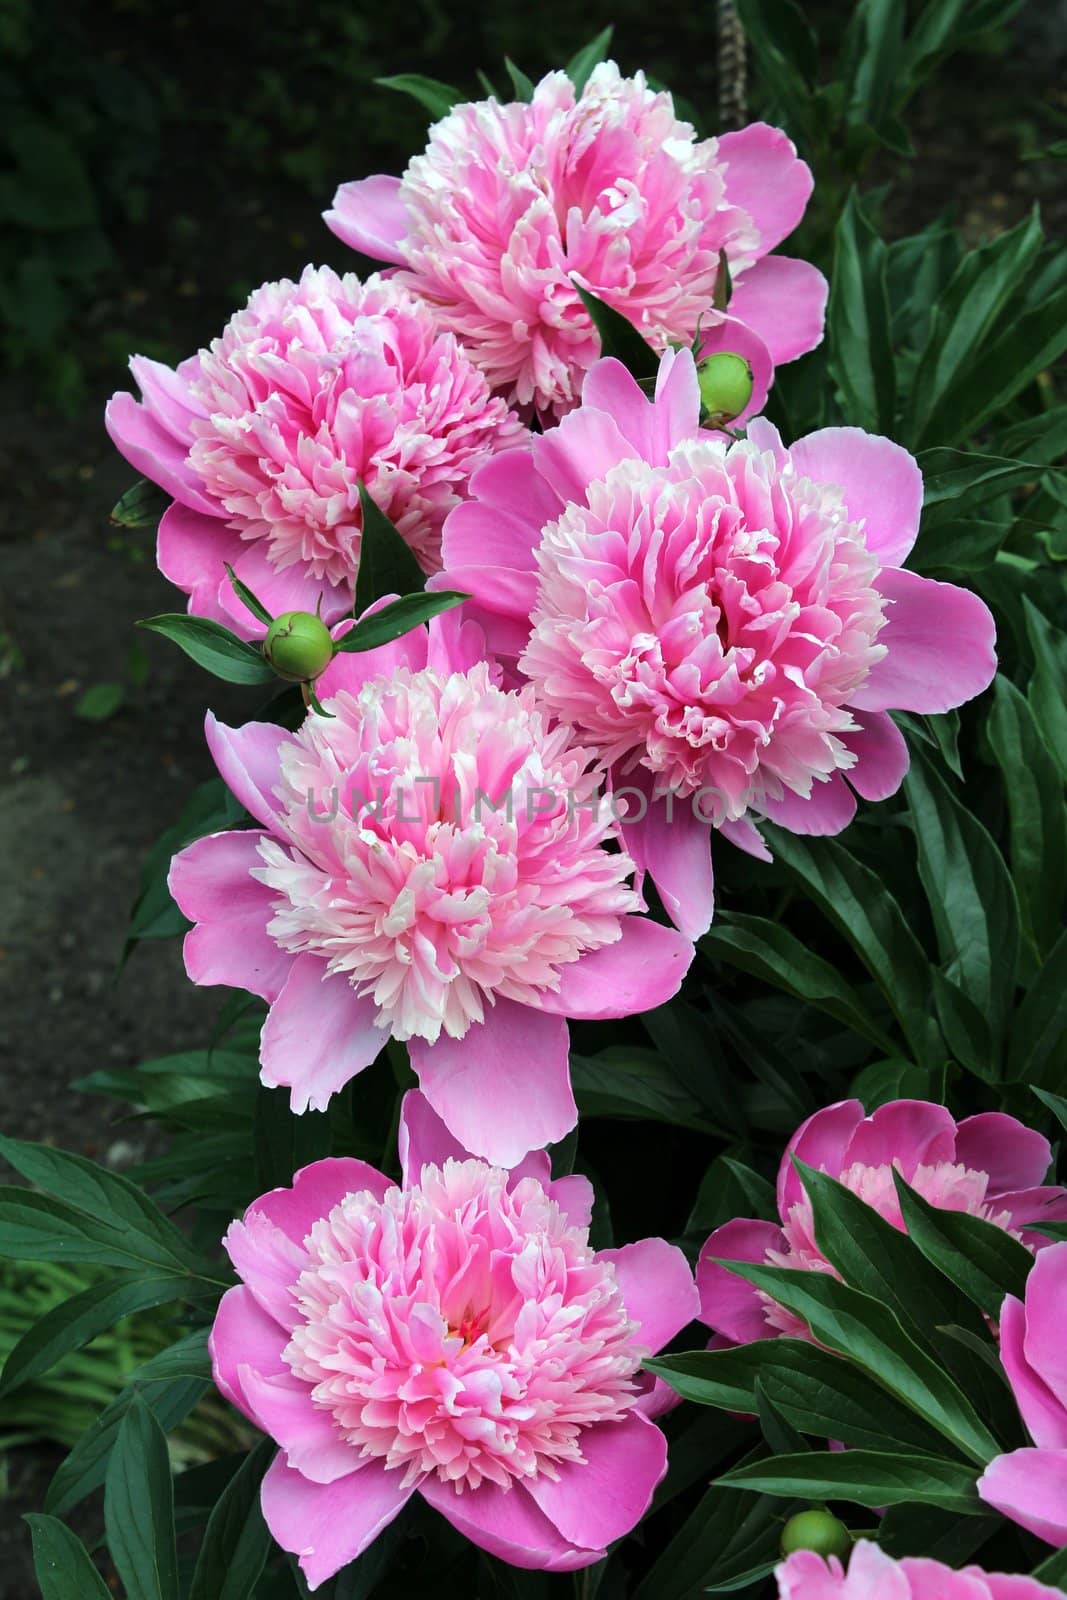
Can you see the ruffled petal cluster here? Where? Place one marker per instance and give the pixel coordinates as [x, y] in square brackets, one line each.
[1030, 1485]
[873, 1575]
[511, 207]
[453, 1335]
[263, 440]
[727, 623]
[989, 1166]
[432, 866]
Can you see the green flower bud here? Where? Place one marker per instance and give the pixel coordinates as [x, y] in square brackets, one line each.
[298, 646]
[818, 1531]
[725, 387]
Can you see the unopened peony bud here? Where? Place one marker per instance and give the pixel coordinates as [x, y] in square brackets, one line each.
[298, 646]
[818, 1531]
[725, 387]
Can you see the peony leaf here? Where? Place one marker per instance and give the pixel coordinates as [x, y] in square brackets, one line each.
[398, 618]
[63, 1566]
[386, 564]
[437, 98]
[139, 1508]
[580, 67]
[864, 1477]
[861, 353]
[619, 337]
[213, 647]
[77, 1321]
[1033, 786]
[524, 89]
[237, 1541]
[141, 506]
[984, 1261]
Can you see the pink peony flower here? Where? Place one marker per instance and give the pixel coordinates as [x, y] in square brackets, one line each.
[1030, 1486]
[430, 865]
[872, 1575]
[262, 440]
[456, 1336]
[510, 203]
[728, 623]
[989, 1166]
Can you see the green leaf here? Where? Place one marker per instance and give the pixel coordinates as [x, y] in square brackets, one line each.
[818, 1393]
[171, 1384]
[237, 1541]
[580, 66]
[857, 902]
[1023, 349]
[959, 482]
[870, 65]
[62, 1564]
[284, 1142]
[984, 1261]
[971, 307]
[618, 337]
[141, 506]
[79, 1320]
[729, 1189]
[1047, 691]
[1053, 1570]
[634, 1083]
[896, 1079]
[437, 98]
[524, 89]
[965, 1028]
[398, 618]
[107, 1199]
[913, 1530]
[1056, 1104]
[972, 900]
[34, 1227]
[213, 647]
[864, 1477]
[862, 1328]
[1033, 785]
[858, 322]
[139, 1508]
[100, 701]
[772, 954]
[386, 562]
[250, 601]
[1035, 1052]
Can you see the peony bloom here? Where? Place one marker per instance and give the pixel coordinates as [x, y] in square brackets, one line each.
[510, 203]
[989, 1166]
[456, 1336]
[1030, 1486]
[262, 440]
[727, 623]
[430, 865]
[872, 1575]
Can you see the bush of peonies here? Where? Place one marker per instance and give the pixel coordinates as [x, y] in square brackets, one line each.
[539, 610]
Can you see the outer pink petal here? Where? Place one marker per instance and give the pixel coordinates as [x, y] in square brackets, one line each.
[504, 1088]
[642, 969]
[1015, 1157]
[351, 669]
[243, 1333]
[674, 847]
[727, 1303]
[1030, 1487]
[806, 1576]
[1015, 1586]
[508, 1524]
[583, 447]
[596, 1502]
[657, 1289]
[939, 641]
[191, 549]
[821, 1141]
[881, 484]
[784, 301]
[456, 640]
[318, 1035]
[1046, 1318]
[910, 1133]
[882, 756]
[730, 333]
[269, 1262]
[422, 1138]
[315, 1191]
[1045, 1203]
[155, 453]
[211, 881]
[766, 178]
[249, 763]
[308, 1435]
[327, 1525]
[1045, 1416]
[656, 1398]
[676, 408]
[370, 216]
[167, 395]
[500, 525]
[743, 835]
[610, 388]
[828, 809]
